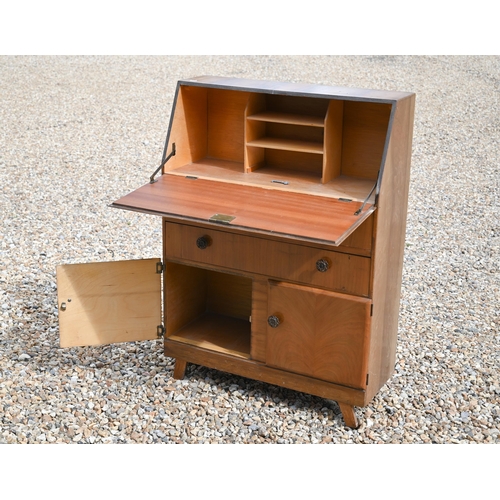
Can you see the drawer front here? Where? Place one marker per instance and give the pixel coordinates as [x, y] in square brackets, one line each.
[288, 261]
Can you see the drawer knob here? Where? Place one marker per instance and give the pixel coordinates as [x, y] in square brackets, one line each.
[203, 242]
[322, 265]
[274, 321]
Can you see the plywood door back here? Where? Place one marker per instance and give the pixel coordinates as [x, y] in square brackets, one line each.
[108, 302]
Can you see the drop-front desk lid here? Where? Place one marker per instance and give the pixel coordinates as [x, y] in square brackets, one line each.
[279, 212]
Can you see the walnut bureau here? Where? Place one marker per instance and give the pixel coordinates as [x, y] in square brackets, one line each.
[283, 210]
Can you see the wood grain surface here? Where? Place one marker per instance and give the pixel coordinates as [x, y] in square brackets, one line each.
[278, 212]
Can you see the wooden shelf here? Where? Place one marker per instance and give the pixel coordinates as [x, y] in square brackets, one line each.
[218, 333]
[288, 118]
[288, 145]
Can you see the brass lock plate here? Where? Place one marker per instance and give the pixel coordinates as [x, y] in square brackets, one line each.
[222, 218]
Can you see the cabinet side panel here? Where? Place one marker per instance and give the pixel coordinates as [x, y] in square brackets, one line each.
[364, 136]
[390, 229]
[189, 127]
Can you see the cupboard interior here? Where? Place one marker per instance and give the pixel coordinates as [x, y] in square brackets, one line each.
[208, 309]
[326, 146]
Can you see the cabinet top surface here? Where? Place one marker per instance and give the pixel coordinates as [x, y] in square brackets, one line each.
[311, 90]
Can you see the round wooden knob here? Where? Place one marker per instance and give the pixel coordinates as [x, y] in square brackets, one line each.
[322, 265]
[203, 242]
[273, 321]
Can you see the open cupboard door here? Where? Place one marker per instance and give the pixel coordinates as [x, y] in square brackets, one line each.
[109, 302]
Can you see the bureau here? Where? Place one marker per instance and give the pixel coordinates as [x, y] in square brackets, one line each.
[283, 212]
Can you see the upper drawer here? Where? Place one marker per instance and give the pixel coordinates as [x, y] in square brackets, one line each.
[286, 261]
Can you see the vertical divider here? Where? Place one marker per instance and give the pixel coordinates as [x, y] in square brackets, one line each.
[254, 157]
[259, 319]
[332, 141]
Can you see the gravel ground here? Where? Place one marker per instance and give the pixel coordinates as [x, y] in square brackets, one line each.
[76, 133]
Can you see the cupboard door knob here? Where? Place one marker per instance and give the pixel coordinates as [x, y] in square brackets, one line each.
[322, 265]
[203, 242]
[273, 321]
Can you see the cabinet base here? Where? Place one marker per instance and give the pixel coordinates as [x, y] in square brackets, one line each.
[257, 371]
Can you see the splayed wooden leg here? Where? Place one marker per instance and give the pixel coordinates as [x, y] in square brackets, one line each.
[180, 369]
[349, 415]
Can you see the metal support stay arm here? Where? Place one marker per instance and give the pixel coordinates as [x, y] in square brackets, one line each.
[152, 178]
[360, 209]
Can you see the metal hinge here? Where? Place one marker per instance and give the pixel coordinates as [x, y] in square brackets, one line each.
[371, 310]
[159, 267]
[367, 377]
[160, 331]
